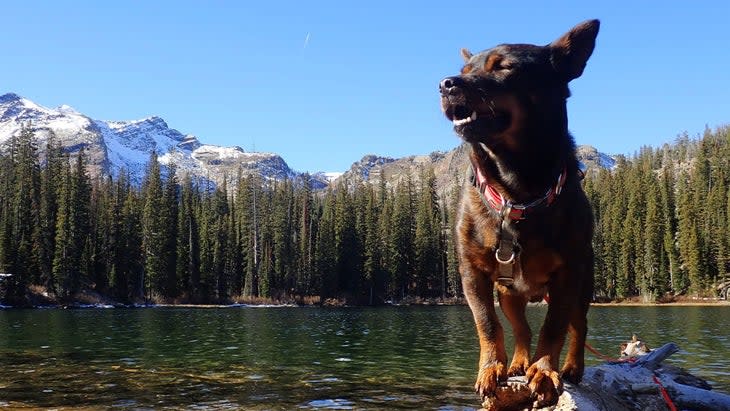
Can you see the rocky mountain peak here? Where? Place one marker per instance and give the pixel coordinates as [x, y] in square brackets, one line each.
[116, 146]
[9, 97]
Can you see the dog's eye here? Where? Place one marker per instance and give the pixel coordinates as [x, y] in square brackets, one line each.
[497, 63]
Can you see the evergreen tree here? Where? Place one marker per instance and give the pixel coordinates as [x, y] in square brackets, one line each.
[307, 217]
[654, 282]
[372, 256]
[188, 252]
[153, 230]
[7, 252]
[325, 254]
[401, 240]
[131, 252]
[385, 233]
[118, 259]
[249, 200]
[25, 213]
[218, 241]
[670, 226]
[51, 179]
[169, 214]
[427, 238]
[72, 229]
[452, 258]
[284, 250]
[348, 265]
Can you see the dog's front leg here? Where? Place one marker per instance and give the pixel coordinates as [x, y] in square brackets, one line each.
[542, 376]
[513, 307]
[479, 292]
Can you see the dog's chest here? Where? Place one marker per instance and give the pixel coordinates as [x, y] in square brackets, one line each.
[530, 273]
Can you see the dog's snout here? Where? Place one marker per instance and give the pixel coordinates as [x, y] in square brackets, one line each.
[451, 85]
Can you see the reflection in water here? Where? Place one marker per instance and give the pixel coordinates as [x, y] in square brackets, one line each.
[282, 358]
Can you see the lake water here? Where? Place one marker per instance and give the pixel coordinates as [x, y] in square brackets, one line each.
[307, 358]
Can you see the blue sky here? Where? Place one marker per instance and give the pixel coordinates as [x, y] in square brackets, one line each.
[324, 83]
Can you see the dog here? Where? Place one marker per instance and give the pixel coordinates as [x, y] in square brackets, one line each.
[524, 225]
[634, 348]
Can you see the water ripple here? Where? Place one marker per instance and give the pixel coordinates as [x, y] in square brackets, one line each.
[284, 358]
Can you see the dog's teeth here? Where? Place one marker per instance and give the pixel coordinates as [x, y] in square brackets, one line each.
[466, 120]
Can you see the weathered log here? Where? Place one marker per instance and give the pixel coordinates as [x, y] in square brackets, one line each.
[621, 386]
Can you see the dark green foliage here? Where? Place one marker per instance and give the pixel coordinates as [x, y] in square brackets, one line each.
[72, 230]
[20, 226]
[661, 223]
[661, 219]
[428, 239]
[153, 229]
[188, 241]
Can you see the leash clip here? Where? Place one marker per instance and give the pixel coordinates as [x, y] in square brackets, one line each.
[510, 260]
[508, 242]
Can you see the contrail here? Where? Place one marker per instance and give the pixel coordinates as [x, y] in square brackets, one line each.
[306, 41]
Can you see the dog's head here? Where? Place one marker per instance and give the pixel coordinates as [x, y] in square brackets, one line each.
[634, 348]
[503, 90]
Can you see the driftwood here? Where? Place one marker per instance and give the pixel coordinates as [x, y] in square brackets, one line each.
[621, 386]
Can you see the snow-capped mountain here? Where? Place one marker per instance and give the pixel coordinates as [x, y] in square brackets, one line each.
[590, 156]
[116, 146]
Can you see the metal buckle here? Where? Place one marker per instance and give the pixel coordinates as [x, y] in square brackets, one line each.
[506, 281]
[510, 260]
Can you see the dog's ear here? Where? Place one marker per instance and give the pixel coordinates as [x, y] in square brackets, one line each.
[571, 51]
[466, 54]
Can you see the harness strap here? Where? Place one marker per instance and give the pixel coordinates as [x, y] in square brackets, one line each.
[507, 254]
[495, 201]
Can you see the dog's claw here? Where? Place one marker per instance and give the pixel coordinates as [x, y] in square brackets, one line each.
[488, 379]
[517, 369]
[572, 373]
[545, 385]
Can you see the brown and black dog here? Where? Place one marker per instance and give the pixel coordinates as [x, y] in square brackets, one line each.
[524, 224]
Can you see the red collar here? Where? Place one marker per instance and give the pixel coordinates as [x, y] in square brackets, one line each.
[505, 207]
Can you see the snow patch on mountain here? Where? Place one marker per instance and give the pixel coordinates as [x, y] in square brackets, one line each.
[17, 111]
[606, 161]
[126, 146]
[332, 175]
[590, 155]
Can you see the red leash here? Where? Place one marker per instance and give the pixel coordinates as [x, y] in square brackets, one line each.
[606, 357]
[665, 395]
[662, 390]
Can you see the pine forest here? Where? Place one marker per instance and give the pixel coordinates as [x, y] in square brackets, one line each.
[661, 221]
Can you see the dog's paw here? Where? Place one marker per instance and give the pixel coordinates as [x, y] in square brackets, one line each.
[545, 384]
[488, 378]
[572, 373]
[518, 367]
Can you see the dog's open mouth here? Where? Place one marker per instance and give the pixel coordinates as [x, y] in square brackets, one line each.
[474, 122]
[463, 115]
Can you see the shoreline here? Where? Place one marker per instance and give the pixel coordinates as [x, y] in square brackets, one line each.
[718, 303]
[82, 305]
[39, 298]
